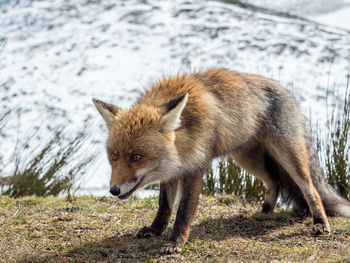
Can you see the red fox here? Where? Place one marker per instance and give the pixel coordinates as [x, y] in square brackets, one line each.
[181, 123]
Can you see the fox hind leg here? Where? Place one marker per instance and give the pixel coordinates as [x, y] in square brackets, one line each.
[167, 195]
[293, 157]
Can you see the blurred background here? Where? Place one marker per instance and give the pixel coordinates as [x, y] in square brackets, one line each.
[56, 55]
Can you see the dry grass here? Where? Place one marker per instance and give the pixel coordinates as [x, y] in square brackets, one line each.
[90, 229]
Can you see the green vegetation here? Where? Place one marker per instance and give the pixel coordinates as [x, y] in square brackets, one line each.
[229, 178]
[334, 145]
[225, 229]
[48, 173]
[52, 167]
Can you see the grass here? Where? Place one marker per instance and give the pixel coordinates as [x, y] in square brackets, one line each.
[334, 145]
[227, 178]
[45, 164]
[225, 229]
[49, 173]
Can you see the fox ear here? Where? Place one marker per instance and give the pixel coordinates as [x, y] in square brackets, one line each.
[107, 111]
[171, 120]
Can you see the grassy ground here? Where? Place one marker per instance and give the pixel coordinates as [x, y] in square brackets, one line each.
[90, 229]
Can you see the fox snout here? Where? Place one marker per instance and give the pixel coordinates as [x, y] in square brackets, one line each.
[114, 190]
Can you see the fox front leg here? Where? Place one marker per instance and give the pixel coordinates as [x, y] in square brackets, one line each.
[167, 195]
[190, 190]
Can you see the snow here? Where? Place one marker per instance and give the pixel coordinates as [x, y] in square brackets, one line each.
[301, 7]
[333, 13]
[339, 18]
[60, 54]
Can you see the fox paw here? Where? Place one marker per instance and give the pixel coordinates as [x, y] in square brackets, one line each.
[170, 248]
[319, 229]
[266, 208]
[147, 232]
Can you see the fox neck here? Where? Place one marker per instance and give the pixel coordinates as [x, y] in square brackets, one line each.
[191, 155]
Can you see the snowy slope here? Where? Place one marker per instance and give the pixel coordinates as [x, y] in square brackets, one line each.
[59, 54]
[335, 13]
[339, 18]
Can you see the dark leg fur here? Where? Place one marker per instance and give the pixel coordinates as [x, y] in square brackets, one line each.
[266, 208]
[167, 196]
[290, 192]
[190, 186]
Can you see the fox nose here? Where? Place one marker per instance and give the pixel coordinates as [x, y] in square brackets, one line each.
[114, 190]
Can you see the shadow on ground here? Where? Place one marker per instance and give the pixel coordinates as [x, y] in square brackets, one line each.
[127, 248]
[242, 226]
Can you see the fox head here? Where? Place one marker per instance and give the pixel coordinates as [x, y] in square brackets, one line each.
[141, 143]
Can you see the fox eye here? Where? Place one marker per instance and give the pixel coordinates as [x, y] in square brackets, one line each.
[136, 158]
[113, 157]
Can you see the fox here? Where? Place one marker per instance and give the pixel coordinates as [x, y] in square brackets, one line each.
[180, 124]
